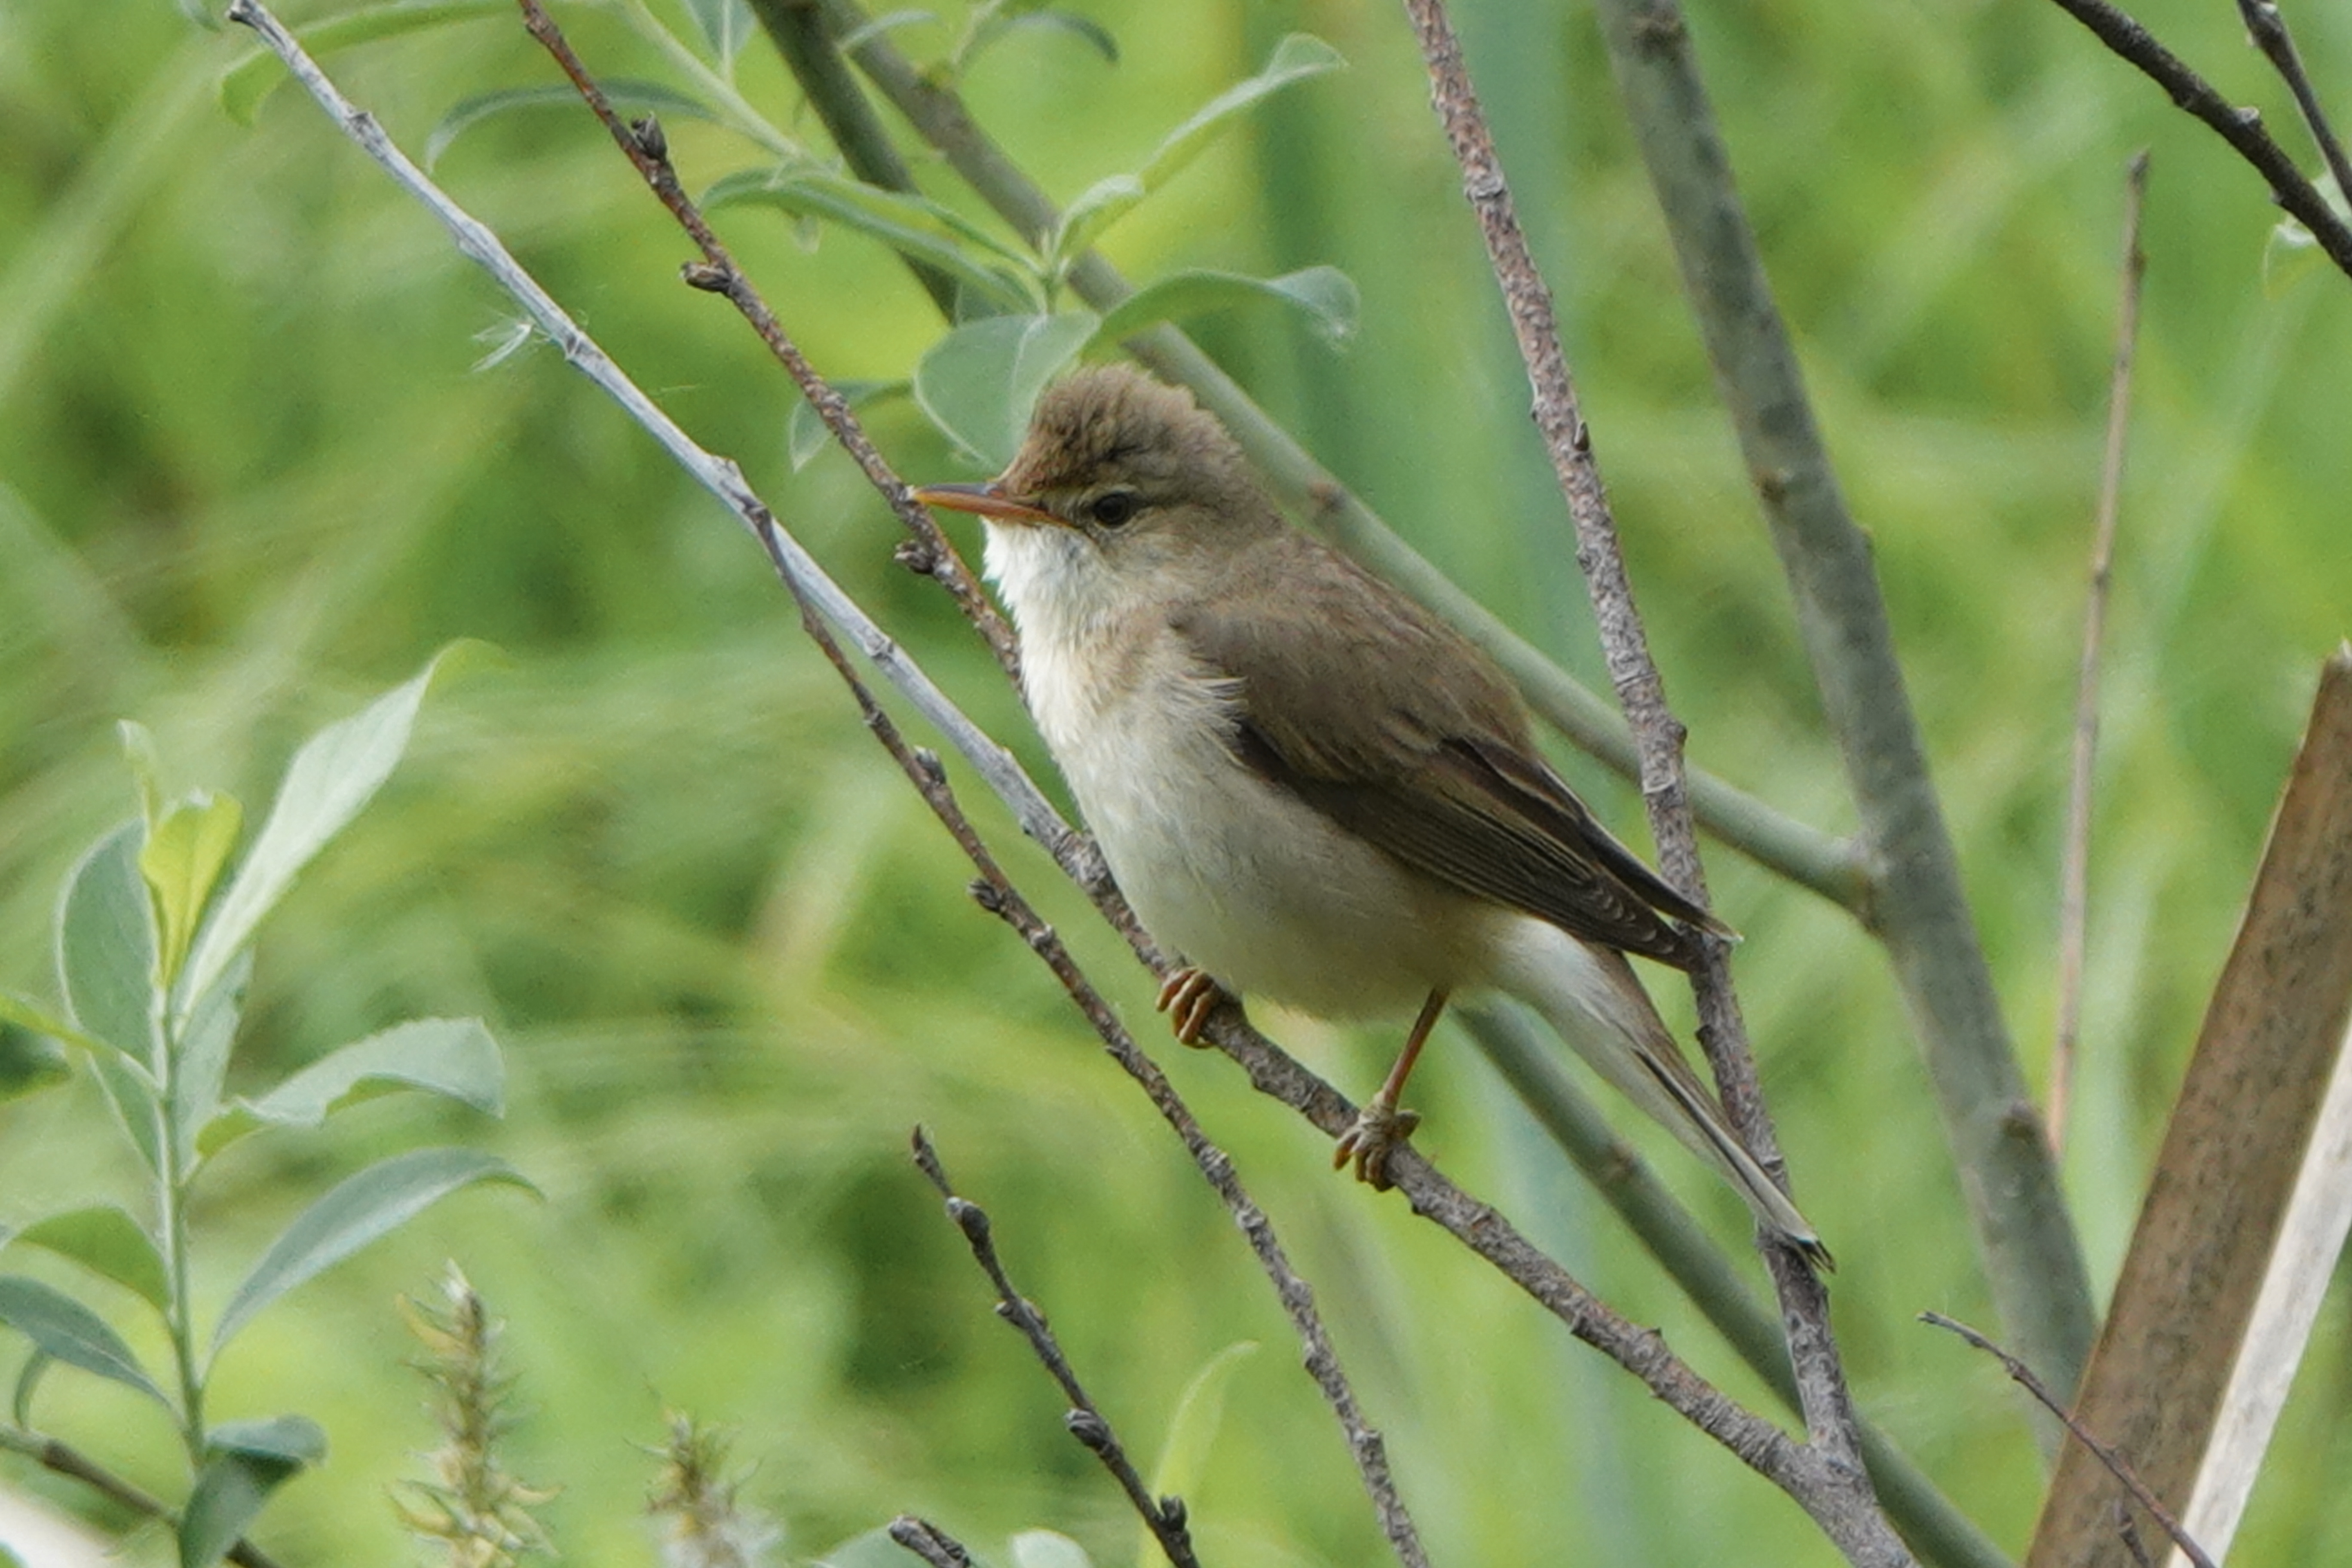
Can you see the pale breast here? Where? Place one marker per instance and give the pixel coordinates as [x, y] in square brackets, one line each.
[1243, 878]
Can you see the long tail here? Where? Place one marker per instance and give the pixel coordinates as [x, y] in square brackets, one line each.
[1590, 996]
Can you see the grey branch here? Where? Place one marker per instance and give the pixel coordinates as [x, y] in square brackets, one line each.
[2266, 24]
[929, 1543]
[64, 1459]
[1917, 907]
[2074, 869]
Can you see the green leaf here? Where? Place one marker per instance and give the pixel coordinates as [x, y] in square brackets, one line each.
[357, 1211]
[20, 1404]
[626, 94]
[335, 773]
[1192, 1430]
[913, 225]
[229, 1492]
[1327, 296]
[108, 1242]
[455, 1057]
[106, 947]
[291, 1440]
[26, 1013]
[244, 84]
[805, 434]
[1093, 33]
[181, 861]
[1046, 1549]
[979, 382]
[724, 25]
[1295, 59]
[146, 765]
[28, 1063]
[65, 1329]
[889, 21]
[204, 1047]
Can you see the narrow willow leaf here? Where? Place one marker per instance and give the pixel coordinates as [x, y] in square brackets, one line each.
[805, 434]
[1326, 295]
[24, 1013]
[66, 1330]
[204, 1047]
[1002, 23]
[28, 1063]
[108, 1242]
[181, 861]
[355, 1212]
[146, 765]
[913, 225]
[244, 84]
[889, 21]
[230, 1491]
[1192, 1430]
[453, 1057]
[626, 94]
[1296, 58]
[724, 25]
[1046, 1549]
[292, 1440]
[335, 773]
[106, 946]
[979, 382]
[20, 1403]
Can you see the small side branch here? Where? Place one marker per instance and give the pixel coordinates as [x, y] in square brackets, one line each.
[2075, 873]
[2240, 128]
[1164, 1517]
[2116, 1465]
[64, 1459]
[2266, 24]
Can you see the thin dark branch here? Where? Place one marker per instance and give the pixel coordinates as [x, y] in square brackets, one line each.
[928, 550]
[1164, 1517]
[2074, 873]
[1860, 1529]
[2240, 128]
[2117, 1466]
[1919, 909]
[64, 1459]
[2266, 24]
[929, 1543]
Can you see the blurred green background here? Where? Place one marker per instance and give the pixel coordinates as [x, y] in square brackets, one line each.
[250, 473]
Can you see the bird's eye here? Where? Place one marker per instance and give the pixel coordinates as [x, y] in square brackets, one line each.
[1113, 509]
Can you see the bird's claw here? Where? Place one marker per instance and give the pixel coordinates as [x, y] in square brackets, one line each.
[1380, 1130]
[1188, 996]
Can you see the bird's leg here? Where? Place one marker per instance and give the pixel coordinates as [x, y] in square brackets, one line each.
[1380, 1126]
[1188, 996]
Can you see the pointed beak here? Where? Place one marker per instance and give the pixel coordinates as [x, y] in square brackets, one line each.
[983, 500]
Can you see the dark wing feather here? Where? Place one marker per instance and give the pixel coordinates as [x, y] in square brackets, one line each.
[1400, 731]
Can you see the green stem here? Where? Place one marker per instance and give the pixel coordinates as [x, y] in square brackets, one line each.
[172, 1177]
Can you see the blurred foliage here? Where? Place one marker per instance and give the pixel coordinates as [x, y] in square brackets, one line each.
[248, 473]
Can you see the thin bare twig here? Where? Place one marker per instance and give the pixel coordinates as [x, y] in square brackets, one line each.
[2240, 128]
[2266, 24]
[1860, 1530]
[929, 1543]
[2117, 1466]
[928, 551]
[1164, 1517]
[65, 1460]
[2074, 873]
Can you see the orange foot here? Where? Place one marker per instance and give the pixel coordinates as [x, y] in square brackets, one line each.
[1380, 1130]
[1188, 996]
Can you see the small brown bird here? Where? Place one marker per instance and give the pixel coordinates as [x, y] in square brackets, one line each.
[1306, 783]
